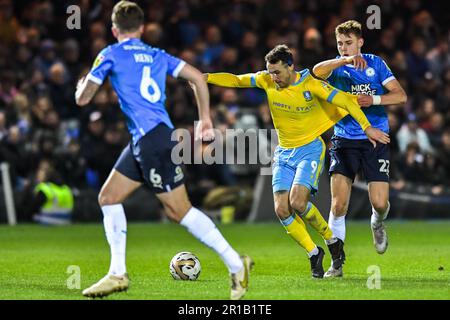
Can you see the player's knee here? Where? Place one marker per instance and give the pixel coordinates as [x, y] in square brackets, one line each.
[299, 206]
[106, 199]
[177, 211]
[339, 208]
[298, 203]
[380, 204]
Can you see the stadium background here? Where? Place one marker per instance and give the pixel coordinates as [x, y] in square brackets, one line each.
[41, 127]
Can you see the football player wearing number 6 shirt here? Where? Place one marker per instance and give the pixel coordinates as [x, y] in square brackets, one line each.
[367, 76]
[138, 74]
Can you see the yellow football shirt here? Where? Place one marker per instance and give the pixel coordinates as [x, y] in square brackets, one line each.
[302, 111]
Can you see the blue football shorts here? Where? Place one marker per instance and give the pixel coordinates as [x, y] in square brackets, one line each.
[302, 166]
[149, 161]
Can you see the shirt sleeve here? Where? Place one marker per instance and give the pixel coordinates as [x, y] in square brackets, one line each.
[332, 76]
[102, 66]
[346, 101]
[384, 72]
[174, 64]
[249, 80]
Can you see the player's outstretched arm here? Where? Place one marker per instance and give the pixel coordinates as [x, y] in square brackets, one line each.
[196, 81]
[86, 90]
[348, 102]
[230, 80]
[325, 68]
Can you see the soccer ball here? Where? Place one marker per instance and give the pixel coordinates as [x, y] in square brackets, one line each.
[185, 266]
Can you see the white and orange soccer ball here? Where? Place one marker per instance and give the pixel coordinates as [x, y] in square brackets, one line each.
[185, 266]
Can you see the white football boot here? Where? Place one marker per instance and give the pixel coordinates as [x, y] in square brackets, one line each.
[239, 280]
[107, 285]
[380, 238]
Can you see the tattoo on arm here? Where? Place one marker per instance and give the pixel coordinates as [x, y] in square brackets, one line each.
[86, 91]
[90, 90]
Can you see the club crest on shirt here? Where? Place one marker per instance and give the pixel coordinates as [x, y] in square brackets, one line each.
[370, 72]
[307, 95]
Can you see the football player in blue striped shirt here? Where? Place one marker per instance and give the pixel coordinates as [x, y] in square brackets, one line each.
[367, 76]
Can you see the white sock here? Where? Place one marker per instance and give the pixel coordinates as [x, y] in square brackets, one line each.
[313, 252]
[332, 240]
[115, 224]
[376, 217]
[337, 225]
[202, 227]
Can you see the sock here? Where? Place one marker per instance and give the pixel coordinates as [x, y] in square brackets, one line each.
[376, 217]
[337, 226]
[115, 224]
[202, 227]
[313, 252]
[299, 219]
[315, 219]
[299, 233]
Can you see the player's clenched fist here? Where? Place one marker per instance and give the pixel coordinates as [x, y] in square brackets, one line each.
[357, 61]
[204, 130]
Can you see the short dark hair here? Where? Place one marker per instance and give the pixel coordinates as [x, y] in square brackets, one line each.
[349, 27]
[280, 53]
[127, 16]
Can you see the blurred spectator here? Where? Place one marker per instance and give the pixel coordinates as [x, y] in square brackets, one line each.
[22, 109]
[13, 151]
[153, 34]
[72, 165]
[412, 163]
[394, 127]
[35, 87]
[46, 58]
[71, 57]
[418, 67]
[45, 146]
[388, 45]
[399, 64]
[228, 58]
[94, 150]
[97, 30]
[444, 154]
[439, 57]
[435, 130]
[248, 46]
[97, 45]
[411, 132]
[433, 173]
[9, 24]
[3, 125]
[8, 89]
[424, 26]
[214, 46]
[101, 146]
[61, 92]
[20, 65]
[182, 27]
[311, 52]
[52, 201]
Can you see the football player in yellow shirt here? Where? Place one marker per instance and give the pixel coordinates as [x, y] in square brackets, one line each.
[302, 108]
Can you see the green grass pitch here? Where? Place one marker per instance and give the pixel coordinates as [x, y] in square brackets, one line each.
[34, 262]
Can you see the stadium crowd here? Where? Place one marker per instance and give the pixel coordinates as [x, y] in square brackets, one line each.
[41, 61]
